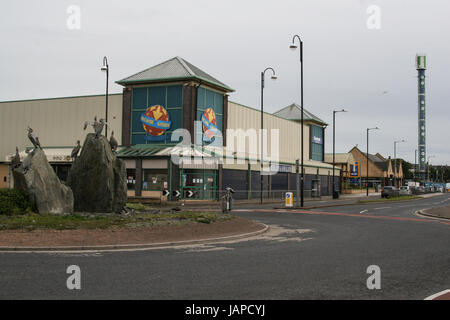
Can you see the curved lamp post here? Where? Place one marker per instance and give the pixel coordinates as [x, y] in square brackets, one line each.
[273, 77]
[335, 194]
[367, 160]
[105, 67]
[293, 46]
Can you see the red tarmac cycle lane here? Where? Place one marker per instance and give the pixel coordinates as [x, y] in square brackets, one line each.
[348, 215]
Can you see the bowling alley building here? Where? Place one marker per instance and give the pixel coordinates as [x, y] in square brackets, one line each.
[177, 130]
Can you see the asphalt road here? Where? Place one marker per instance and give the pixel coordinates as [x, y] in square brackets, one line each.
[319, 254]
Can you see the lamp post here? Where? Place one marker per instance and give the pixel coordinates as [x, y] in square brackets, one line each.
[274, 77]
[105, 67]
[335, 193]
[367, 160]
[293, 46]
[395, 159]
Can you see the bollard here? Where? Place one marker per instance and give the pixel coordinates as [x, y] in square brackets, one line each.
[289, 199]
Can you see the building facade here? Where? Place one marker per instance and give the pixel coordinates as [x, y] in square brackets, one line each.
[381, 169]
[179, 132]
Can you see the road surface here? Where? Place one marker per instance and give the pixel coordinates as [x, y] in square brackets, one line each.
[318, 254]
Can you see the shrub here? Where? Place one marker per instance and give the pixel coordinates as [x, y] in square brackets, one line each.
[14, 201]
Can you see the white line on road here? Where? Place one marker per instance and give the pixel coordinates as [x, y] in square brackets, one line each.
[363, 211]
[382, 208]
[437, 295]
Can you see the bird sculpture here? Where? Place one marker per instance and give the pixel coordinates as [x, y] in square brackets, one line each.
[113, 142]
[33, 138]
[15, 161]
[97, 125]
[74, 154]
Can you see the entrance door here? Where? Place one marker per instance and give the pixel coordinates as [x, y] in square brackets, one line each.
[202, 183]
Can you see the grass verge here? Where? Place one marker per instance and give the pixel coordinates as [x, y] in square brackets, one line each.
[77, 221]
[399, 198]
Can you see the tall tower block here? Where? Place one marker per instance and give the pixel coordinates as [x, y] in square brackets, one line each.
[421, 66]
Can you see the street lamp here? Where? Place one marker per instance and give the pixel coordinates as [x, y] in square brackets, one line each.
[335, 193]
[274, 77]
[395, 159]
[367, 160]
[293, 46]
[105, 67]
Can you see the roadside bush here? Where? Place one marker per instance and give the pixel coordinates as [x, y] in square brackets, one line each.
[14, 201]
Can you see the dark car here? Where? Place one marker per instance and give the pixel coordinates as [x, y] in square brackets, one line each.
[389, 191]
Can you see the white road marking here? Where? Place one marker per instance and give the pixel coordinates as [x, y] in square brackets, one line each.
[382, 208]
[363, 211]
[437, 295]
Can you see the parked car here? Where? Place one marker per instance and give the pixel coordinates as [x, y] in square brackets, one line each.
[405, 191]
[390, 191]
[419, 190]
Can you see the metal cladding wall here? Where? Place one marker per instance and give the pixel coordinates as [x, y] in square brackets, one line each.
[245, 118]
[421, 67]
[57, 122]
[238, 180]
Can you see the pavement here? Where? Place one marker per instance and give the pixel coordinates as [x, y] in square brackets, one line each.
[323, 253]
[442, 212]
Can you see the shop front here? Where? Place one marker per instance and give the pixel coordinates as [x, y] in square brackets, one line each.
[201, 184]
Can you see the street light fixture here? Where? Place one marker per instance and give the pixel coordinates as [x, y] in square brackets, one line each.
[367, 160]
[395, 159]
[105, 67]
[273, 77]
[335, 193]
[293, 47]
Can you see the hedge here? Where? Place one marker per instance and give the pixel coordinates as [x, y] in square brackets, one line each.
[13, 201]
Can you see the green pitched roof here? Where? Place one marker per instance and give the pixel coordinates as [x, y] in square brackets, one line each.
[174, 69]
[140, 151]
[293, 112]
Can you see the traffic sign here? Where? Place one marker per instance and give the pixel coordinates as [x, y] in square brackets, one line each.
[190, 194]
[289, 199]
[176, 193]
[165, 193]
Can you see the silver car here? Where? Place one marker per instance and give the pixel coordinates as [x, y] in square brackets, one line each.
[405, 191]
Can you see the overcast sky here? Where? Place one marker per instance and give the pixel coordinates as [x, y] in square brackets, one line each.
[370, 72]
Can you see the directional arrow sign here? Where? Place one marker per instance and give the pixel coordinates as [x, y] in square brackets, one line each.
[190, 194]
[176, 193]
[165, 193]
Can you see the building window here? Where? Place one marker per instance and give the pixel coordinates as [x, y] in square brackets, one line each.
[208, 99]
[154, 180]
[317, 143]
[170, 98]
[131, 179]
